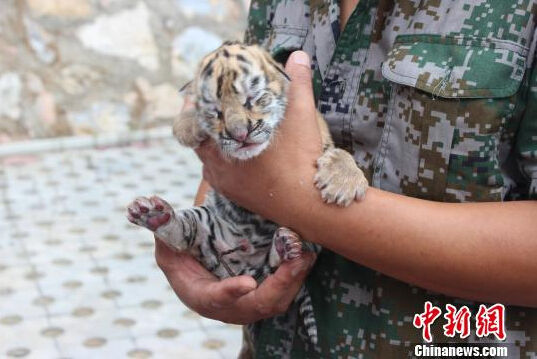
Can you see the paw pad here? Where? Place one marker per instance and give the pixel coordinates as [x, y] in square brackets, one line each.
[150, 213]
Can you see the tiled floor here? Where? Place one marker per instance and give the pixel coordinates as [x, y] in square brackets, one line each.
[76, 279]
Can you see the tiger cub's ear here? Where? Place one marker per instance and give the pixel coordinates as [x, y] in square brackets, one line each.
[186, 89]
[275, 65]
[281, 71]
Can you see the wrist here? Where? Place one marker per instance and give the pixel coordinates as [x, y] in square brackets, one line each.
[297, 205]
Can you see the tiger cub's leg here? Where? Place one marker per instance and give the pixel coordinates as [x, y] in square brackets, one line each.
[338, 177]
[155, 214]
[286, 246]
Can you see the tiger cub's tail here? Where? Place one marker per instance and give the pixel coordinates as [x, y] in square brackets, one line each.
[305, 309]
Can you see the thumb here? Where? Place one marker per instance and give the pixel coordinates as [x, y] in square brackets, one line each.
[300, 90]
[225, 293]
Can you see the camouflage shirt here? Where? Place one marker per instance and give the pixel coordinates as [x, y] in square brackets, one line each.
[436, 99]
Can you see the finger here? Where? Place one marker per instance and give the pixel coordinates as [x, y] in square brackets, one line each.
[224, 293]
[207, 151]
[164, 255]
[300, 112]
[187, 277]
[206, 174]
[300, 90]
[277, 291]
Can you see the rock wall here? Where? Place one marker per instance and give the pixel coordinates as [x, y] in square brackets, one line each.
[78, 67]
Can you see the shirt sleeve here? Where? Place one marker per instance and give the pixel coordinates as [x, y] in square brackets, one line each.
[526, 140]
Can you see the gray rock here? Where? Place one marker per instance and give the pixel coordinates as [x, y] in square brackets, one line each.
[191, 8]
[101, 117]
[41, 118]
[189, 47]
[73, 9]
[76, 79]
[125, 34]
[10, 93]
[40, 41]
[161, 102]
[216, 9]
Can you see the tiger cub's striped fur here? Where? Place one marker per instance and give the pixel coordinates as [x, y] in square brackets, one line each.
[240, 98]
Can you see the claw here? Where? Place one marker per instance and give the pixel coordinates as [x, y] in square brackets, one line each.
[133, 212]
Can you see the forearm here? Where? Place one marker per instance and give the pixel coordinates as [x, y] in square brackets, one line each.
[481, 251]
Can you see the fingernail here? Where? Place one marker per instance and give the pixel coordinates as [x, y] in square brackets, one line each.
[301, 58]
[243, 290]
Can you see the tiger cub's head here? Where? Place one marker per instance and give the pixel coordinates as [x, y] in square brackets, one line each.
[240, 97]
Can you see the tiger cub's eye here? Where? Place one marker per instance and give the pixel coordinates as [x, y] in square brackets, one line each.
[263, 100]
[248, 103]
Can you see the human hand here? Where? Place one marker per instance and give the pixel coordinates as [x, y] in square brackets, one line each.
[270, 184]
[236, 300]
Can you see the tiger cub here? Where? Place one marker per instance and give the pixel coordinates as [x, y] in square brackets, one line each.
[240, 98]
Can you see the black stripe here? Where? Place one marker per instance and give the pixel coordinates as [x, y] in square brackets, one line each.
[245, 70]
[220, 82]
[241, 58]
[280, 70]
[208, 67]
[255, 81]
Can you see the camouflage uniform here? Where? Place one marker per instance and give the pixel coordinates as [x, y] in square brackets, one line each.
[436, 99]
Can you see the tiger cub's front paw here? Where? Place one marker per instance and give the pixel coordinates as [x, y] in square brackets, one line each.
[150, 213]
[339, 179]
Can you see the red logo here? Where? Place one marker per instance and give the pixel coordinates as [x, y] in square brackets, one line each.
[426, 319]
[488, 321]
[458, 321]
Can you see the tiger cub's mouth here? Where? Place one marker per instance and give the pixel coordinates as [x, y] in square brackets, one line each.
[246, 150]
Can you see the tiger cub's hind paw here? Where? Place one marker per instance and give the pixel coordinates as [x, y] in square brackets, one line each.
[288, 244]
[339, 179]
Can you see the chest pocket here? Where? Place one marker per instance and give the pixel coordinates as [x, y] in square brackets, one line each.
[451, 100]
[289, 26]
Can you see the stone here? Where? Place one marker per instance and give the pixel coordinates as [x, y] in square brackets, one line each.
[189, 47]
[73, 9]
[191, 8]
[126, 34]
[76, 79]
[45, 107]
[161, 102]
[217, 9]
[40, 41]
[10, 93]
[41, 118]
[101, 117]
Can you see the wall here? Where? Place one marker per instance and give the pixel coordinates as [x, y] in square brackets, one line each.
[78, 67]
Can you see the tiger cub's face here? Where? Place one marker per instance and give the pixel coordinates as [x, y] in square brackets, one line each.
[240, 96]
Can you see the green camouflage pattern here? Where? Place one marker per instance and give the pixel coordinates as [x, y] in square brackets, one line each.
[435, 99]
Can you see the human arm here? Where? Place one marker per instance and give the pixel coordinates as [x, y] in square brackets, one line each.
[480, 251]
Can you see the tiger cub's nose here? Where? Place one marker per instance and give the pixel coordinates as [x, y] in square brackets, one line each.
[238, 134]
